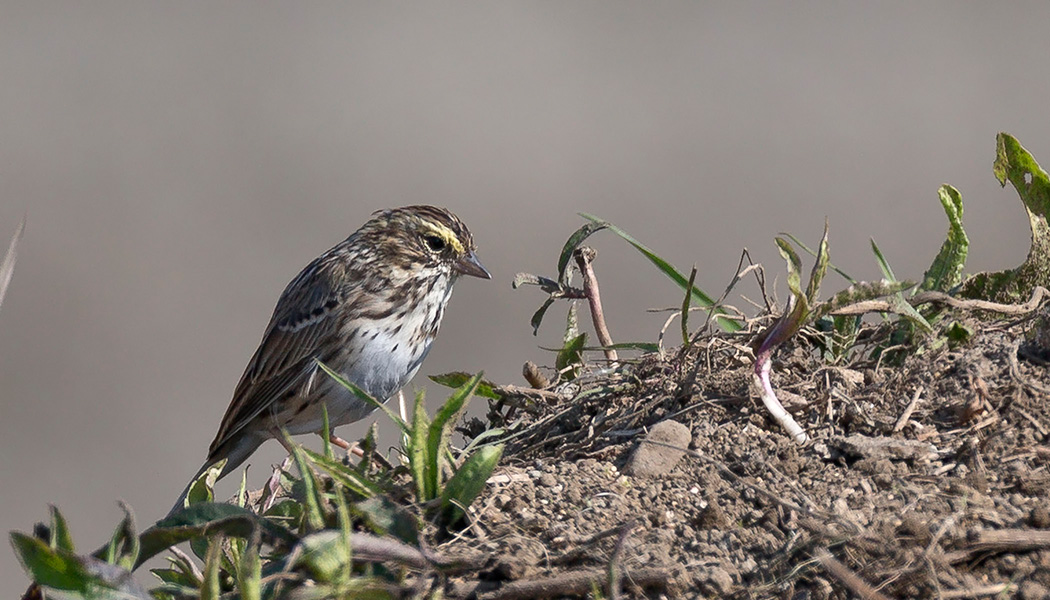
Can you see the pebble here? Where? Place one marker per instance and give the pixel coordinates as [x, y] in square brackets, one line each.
[652, 460]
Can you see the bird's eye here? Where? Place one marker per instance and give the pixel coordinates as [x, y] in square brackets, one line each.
[435, 243]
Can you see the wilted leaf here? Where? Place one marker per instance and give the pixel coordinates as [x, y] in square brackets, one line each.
[1014, 164]
[456, 379]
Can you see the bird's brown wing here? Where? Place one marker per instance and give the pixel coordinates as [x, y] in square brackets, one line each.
[302, 323]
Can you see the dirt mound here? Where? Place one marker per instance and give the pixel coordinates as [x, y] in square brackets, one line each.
[923, 479]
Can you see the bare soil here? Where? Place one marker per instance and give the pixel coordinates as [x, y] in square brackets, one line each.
[949, 501]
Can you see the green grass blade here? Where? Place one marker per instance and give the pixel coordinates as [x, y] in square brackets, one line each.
[365, 396]
[249, 570]
[794, 267]
[674, 274]
[344, 475]
[312, 499]
[7, 266]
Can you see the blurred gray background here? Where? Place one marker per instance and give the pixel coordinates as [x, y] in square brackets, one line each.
[180, 162]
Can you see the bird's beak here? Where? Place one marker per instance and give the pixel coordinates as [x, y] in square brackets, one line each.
[470, 265]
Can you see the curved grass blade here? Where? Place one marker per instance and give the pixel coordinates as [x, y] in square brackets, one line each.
[674, 274]
[574, 242]
[7, 266]
[363, 395]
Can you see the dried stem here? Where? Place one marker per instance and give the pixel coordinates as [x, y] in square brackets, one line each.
[584, 256]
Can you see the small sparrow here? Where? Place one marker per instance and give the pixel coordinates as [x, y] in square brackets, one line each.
[369, 308]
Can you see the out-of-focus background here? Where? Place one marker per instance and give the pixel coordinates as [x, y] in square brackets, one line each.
[180, 162]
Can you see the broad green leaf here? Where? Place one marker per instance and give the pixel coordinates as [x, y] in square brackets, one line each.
[71, 576]
[571, 355]
[1014, 164]
[947, 269]
[201, 490]
[203, 520]
[386, 517]
[440, 435]
[468, 481]
[456, 379]
[676, 276]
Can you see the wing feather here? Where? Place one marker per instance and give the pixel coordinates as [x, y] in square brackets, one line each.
[303, 323]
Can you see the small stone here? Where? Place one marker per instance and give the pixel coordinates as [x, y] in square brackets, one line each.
[1033, 590]
[651, 460]
[717, 581]
[1039, 517]
[547, 480]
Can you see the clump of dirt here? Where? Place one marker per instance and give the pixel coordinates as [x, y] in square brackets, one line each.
[924, 478]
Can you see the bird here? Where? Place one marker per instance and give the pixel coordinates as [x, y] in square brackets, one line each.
[369, 308]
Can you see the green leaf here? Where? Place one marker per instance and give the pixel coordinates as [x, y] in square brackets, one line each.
[468, 481]
[344, 475]
[123, 549]
[420, 462]
[571, 244]
[201, 490]
[456, 379]
[643, 346]
[386, 517]
[61, 539]
[71, 576]
[813, 253]
[363, 395]
[947, 269]
[537, 317]
[312, 501]
[900, 305]
[820, 268]
[249, 571]
[204, 520]
[794, 267]
[667, 269]
[1014, 164]
[571, 355]
[440, 435]
[210, 589]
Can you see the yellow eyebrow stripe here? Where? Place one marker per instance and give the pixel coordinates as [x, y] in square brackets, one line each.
[444, 233]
